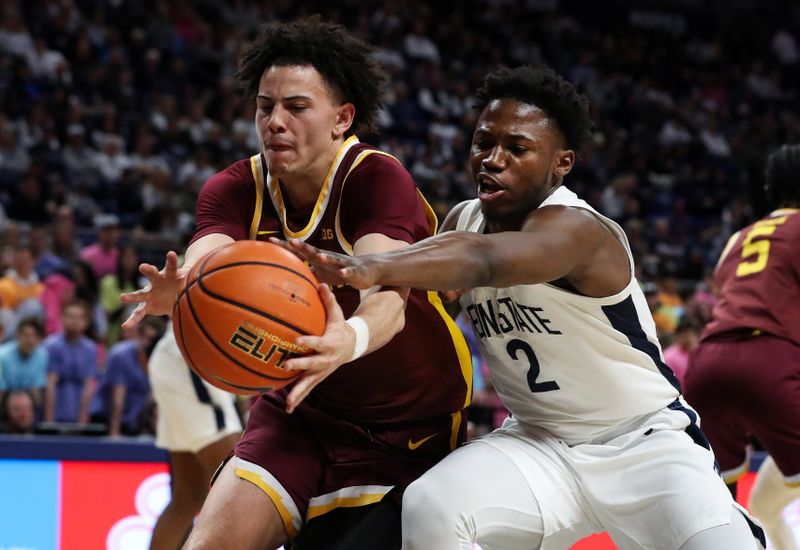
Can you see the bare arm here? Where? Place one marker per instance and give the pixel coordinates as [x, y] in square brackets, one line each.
[50, 397]
[163, 286]
[86, 397]
[556, 242]
[37, 396]
[383, 310]
[117, 405]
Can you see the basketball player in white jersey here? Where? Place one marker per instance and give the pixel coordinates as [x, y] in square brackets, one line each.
[599, 438]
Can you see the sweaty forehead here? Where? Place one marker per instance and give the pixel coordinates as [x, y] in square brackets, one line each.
[511, 116]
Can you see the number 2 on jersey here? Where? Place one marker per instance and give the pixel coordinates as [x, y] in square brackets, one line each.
[518, 345]
[759, 248]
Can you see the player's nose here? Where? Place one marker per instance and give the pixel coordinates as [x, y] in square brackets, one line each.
[495, 160]
[277, 119]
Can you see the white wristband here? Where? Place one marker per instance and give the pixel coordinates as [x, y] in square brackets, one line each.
[362, 335]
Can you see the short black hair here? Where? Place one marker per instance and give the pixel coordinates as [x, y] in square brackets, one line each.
[345, 62]
[782, 183]
[32, 322]
[542, 87]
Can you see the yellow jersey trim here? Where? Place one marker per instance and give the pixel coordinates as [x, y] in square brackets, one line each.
[430, 214]
[343, 502]
[464, 359]
[727, 249]
[273, 495]
[322, 199]
[454, 428]
[346, 245]
[258, 179]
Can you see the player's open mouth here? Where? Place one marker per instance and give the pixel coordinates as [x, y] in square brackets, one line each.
[489, 188]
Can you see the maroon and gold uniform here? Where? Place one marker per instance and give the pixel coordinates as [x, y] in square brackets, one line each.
[380, 421]
[744, 377]
[759, 277]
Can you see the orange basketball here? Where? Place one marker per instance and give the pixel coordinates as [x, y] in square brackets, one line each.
[242, 309]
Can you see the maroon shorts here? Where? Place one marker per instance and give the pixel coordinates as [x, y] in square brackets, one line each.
[745, 388]
[321, 462]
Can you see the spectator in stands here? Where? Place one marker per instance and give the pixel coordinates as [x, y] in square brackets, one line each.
[27, 201]
[80, 160]
[14, 159]
[687, 334]
[72, 367]
[125, 279]
[23, 361]
[103, 255]
[20, 290]
[87, 289]
[45, 261]
[124, 389]
[18, 413]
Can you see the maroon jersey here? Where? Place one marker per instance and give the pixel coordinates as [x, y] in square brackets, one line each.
[425, 370]
[759, 279]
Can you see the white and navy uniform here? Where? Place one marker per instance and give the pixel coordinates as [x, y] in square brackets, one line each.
[598, 439]
[192, 414]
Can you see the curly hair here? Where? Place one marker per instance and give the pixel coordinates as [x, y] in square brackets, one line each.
[782, 184]
[344, 61]
[542, 87]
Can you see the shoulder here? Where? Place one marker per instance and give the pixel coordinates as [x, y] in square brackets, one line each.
[451, 219]
[237, 174]
[567, 218]
[88, 344]
[377, 168]
[121, 350]
[7, 348]
[53, 341]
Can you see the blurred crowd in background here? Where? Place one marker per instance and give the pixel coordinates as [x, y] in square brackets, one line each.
[115, 112]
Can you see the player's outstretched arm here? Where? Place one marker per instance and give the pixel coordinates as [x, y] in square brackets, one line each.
[381, 312]
[555, 242]
[163, 285]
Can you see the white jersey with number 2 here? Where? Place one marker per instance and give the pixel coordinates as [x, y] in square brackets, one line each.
[576, 366]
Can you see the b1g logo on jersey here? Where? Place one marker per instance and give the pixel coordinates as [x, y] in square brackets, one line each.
[259, 343]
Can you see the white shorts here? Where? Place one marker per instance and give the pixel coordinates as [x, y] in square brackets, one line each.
[192, 413]
[649, 485]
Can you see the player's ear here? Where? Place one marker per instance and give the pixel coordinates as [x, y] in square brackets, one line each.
[344, 119]
[565, 160]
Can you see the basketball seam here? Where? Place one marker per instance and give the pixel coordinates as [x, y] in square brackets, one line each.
[256, 262]
[251, 309]
[216, 345]
[207, 373]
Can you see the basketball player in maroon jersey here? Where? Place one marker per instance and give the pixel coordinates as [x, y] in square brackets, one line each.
[360, 427]
[744, 377]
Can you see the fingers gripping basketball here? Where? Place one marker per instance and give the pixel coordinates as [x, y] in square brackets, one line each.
[237, 319]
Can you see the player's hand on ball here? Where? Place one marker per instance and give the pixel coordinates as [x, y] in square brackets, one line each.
[159, 294]
[330, 267]
[332, 349]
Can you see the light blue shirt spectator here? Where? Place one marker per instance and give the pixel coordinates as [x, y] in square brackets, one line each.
[18, 372]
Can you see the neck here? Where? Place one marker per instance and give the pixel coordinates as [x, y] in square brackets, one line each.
[301, 190]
